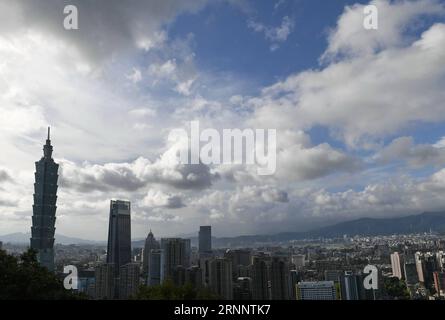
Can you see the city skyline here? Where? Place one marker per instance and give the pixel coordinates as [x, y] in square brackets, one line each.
[209, 158]
[204, 234]
[360, 128]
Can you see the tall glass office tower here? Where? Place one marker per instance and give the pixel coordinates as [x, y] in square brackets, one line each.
[44, 208]
[205, 239]
[119, 235]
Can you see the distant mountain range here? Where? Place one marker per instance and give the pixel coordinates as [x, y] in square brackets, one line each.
[425, 222]
[23, 238]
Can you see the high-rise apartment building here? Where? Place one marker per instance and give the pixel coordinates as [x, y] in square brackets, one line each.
[176, 253]
[418, 258]
[396, 265]
[240, 258]
[279, 279]
[156, 268]
[221, 278]
[411, 275]
[439, 282]
[260, 278]
[179, 276]
[351, 286]
[204, 265]
[429, 267]
[193, 276]
[242, 289]
[128, 280]
[105, 281]
[294, 278]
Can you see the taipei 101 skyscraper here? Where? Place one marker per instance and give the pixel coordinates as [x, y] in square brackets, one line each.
[44, 208]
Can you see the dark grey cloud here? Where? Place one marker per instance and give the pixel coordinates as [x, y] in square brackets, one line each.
[8, 203]
[278, 195]
[416, 155]
[106, 180]
[134, 176]
[4, 176]
[193, 176]
[158, 199]
[174, 202]
[105, 26]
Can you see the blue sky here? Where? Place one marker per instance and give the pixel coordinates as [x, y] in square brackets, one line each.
[359, 113]
[223, 43]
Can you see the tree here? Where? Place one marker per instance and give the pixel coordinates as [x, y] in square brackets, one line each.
[396, 288]
[26, 279]
[168, 291]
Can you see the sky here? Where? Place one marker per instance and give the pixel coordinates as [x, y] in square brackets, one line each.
[359, 114]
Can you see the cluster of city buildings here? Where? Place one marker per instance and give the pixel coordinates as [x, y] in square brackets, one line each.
[422, 272]
[123, 272]
[331, 269]
[294, 272]
[241, 274]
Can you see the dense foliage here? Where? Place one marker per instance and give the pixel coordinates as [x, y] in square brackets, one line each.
[396, 289]
[168, 291]
[24, 279]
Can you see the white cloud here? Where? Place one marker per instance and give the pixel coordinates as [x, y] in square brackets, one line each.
[275, 35]
[135, 76]
[156, 40]
[251, 205]
[395, 18]
[311, 163]
[404, 149]
[440, 143]
[163, 70]
[398, 196]
[143, 112]
[179, 73]
[160, 199]
[364, 98]
[297, 160]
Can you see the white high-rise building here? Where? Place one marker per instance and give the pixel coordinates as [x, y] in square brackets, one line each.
[419, 266]
[440, 259]
[396, 265]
